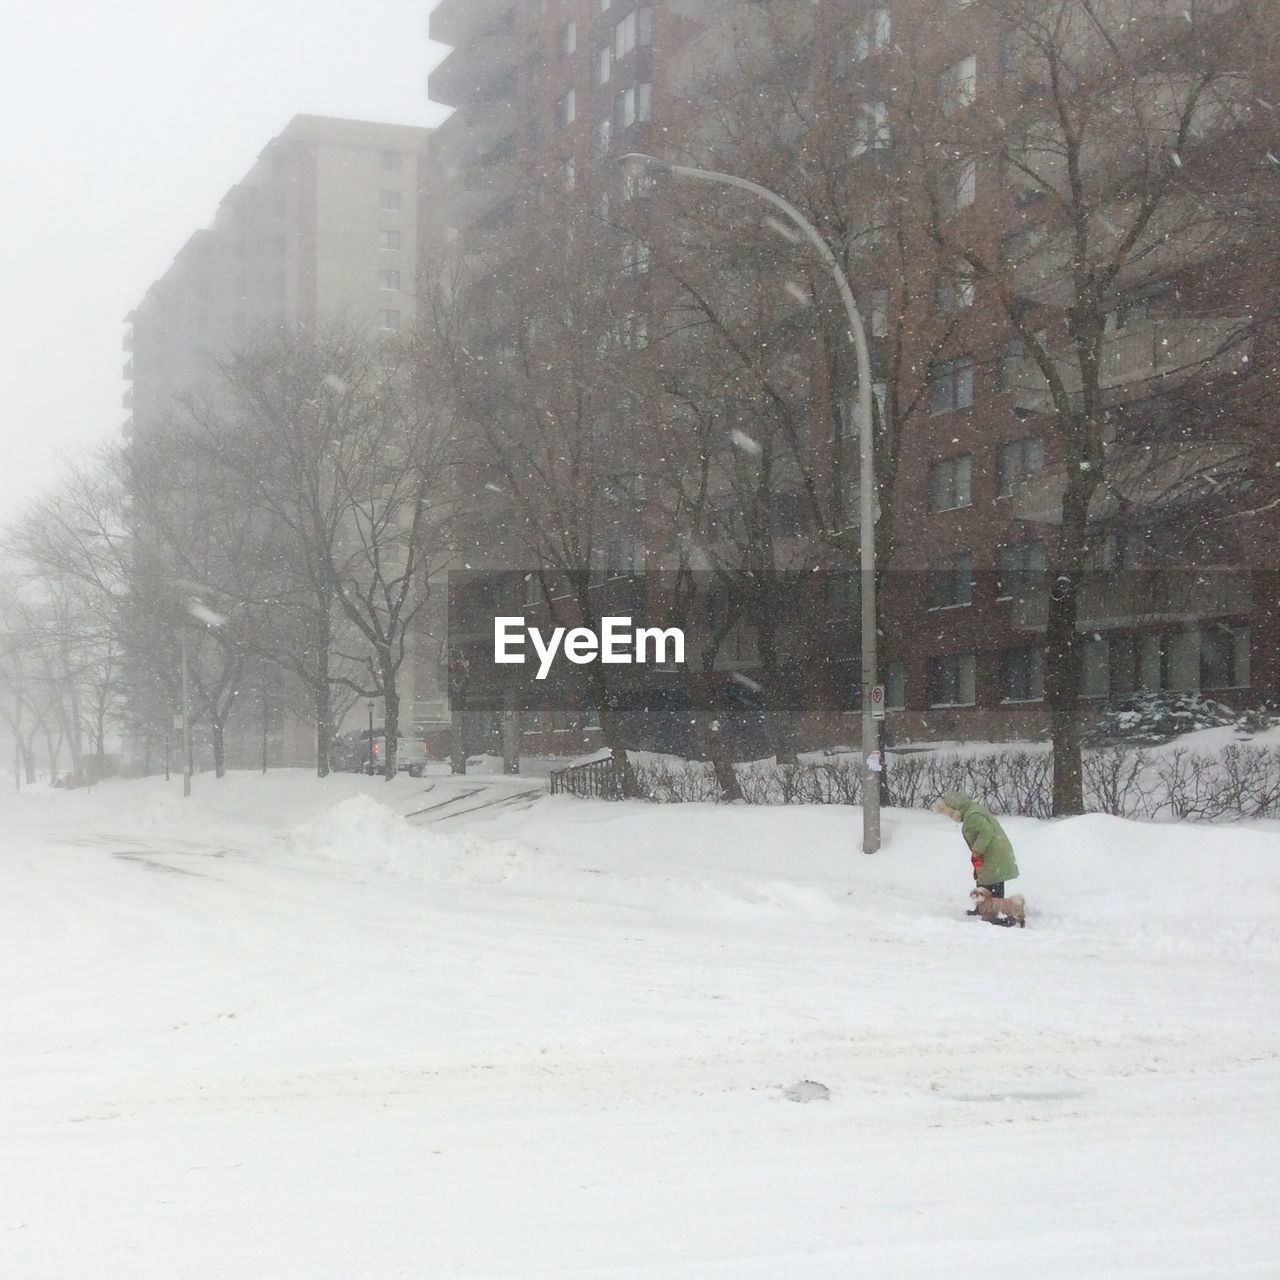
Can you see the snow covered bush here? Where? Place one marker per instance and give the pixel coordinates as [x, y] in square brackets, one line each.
[1240, 781]
[1154, 717]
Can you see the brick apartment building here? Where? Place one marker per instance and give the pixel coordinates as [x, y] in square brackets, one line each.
[1178, 595]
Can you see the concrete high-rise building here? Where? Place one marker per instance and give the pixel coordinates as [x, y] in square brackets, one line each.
[325, 225]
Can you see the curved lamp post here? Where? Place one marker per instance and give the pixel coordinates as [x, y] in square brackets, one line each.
[638, 161]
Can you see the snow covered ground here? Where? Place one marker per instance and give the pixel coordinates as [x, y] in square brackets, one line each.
[279, 1031]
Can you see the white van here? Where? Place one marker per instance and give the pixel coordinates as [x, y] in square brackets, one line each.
[411, 755]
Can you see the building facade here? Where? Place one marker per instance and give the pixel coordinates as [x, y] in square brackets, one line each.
[931, 151]
[325, 227]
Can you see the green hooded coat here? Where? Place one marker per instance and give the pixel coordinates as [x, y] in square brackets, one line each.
[992, 854]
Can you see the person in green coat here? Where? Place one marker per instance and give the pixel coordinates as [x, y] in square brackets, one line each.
[990, 852]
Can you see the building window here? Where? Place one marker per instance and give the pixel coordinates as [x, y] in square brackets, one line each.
[849, 410]
[957, 86]
[951, 385]
[390, 161]
[389, 201]
[873, 35]
[954, 290]
[635, 258]
[952, 681]
[389, 321]
[634, 331]
[949, 483]
[1017, 460]
[566, 109]
[624, 108]
[1224, 657]
[388, 279]
[871, 128]
[632, 106]
[1096, 682]
[567, 40]
[603, 135]
[635, 30]
[1022, 675]
[602, 65]
[1020, 569]
[895, 687]
[952, 587]
[1011, 47]
[960, 188]
[389, 240]
[1117, 550]
[1012, 363]
[879, 312]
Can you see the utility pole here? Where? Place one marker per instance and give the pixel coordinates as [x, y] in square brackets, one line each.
[186, 720]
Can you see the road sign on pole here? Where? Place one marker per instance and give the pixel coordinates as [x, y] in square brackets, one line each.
[877, 702]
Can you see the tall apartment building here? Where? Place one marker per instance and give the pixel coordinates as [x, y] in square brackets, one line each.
[326, 225]
[1181, 587]
[562, 87]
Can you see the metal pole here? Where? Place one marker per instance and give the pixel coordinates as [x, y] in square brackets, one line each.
[186, 722]
[867, 488]
[371, 739]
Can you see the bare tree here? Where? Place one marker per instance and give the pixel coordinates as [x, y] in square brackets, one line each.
[547, 369]
[345, 462]
[1123, 128]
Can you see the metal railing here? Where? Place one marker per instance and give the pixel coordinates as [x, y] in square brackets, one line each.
[596, 780]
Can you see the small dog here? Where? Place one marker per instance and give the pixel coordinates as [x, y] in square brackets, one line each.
[990, 908]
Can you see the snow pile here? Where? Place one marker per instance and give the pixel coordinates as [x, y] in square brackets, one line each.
[364, 835]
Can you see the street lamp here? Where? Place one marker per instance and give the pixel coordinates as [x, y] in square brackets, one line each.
[857, 333]
[186, 718]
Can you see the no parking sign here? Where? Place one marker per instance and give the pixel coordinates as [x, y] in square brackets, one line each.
[877, 702]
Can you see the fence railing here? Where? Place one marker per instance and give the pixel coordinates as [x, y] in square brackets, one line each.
[596, 780]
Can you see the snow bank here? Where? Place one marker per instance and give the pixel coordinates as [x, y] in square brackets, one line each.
[365, 835]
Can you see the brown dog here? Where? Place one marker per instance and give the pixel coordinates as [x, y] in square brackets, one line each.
[1015, 908]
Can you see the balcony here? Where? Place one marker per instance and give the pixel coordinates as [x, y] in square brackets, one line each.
[468, 76]
[457, 22]
[128, 341]
[1145, 597]
[1141, 358]
[1138, 479]
[471, 132]
[127, 399]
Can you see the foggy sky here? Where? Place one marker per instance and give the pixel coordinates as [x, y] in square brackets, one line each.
[126, 124]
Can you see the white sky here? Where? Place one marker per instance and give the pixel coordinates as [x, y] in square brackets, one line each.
[125, 125]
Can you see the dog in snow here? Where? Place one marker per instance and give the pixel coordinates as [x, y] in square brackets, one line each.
[1014, 909]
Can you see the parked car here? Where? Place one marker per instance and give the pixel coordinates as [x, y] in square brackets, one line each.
[351, 753]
